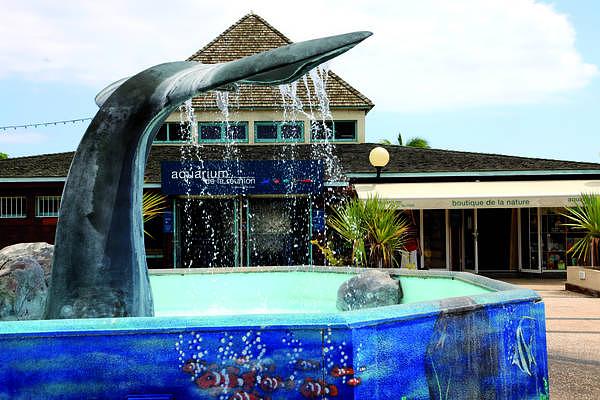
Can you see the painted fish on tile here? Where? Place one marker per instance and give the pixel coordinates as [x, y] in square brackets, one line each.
[307, 365]
[241, 395]
[312, 389]
[353, 382]
[226, 378]
[524, 348]
[338, 372]
[192, 366]
[270, 384]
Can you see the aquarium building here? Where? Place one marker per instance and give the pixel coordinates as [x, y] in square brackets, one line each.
[253, 181]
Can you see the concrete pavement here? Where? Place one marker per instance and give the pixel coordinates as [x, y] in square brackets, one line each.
[573, 336]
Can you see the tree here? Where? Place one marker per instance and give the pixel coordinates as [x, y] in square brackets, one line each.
[385, 142]
[418, 142]
[3, 156]
[400, 138]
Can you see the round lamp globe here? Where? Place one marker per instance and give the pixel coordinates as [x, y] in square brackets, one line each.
[379, 157]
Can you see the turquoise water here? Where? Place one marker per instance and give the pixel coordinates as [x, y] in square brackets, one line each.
[423, 289]
[245, 293]
[276, 292]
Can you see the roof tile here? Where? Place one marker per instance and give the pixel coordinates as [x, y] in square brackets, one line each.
[251, 35]
[353, 157]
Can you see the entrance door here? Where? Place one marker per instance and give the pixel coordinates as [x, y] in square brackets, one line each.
[468, 225]
[278, 231]
[207, 228]
[497, 243]
[455, 232]
[462, 239]
[434, 238]
[529, 240]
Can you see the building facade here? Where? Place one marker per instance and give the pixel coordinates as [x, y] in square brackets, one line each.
[249, 179]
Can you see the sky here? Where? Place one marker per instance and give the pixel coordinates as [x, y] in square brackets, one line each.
[517, 77]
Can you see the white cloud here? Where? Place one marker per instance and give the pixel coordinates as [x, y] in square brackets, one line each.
[425, 55]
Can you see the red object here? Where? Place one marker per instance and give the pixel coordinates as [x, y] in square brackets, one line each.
[338, 372]
[353, 382]
[411, 245]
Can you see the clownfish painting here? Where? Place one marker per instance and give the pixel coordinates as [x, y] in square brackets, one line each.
[241, 395]
[312, 389]
[338, 372]
[226, 378]
[353, 382]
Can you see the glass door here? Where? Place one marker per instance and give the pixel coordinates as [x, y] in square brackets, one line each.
[497, 239]
[434, 238]
[530, 261]
[208, 232]
[278, 231]
[469, 227]
[456, 239]
[461, 232]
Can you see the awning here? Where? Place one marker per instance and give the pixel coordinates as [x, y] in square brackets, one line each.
[448, 195]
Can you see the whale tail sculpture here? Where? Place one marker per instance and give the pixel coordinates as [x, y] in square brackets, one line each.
[99, 267]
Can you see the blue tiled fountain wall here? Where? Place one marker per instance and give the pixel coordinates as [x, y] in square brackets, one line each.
[489, 346]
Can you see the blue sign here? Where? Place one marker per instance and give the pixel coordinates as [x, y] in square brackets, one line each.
[242, 177]
[167, 222]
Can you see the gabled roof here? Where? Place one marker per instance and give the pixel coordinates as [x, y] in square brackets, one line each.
[251, 35]
[354, 159]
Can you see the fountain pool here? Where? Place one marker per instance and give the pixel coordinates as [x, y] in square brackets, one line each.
[201, 293]
[489, 343]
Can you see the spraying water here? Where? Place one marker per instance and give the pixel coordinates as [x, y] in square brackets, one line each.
[272, 225]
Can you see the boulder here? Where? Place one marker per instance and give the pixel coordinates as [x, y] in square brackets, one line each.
[372, 288]
[24, 277]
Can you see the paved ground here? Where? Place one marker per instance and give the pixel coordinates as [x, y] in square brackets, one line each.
[573, 335]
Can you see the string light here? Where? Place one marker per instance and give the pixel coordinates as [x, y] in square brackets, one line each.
[44, 124]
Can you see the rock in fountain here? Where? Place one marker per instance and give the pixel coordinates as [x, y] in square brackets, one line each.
[99, 265]
[372, 288]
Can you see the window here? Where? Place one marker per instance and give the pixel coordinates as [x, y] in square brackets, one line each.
[172, 132]
[279, 132]
[223, 132]
[47, 206]
[557, 240]
[13, 207]
[339, 131]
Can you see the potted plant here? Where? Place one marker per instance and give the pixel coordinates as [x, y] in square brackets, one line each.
[584, 217]
[374, 228]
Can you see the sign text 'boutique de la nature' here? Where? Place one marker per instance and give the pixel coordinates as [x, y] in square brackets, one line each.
[241, 177]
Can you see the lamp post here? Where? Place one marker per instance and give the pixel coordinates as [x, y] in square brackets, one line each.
[379, 158]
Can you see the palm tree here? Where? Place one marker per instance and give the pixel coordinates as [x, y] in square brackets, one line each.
[374, 228]
[348, 222]
[585, 217]
[418, 142]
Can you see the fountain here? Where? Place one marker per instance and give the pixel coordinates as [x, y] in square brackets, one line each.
[455, 335]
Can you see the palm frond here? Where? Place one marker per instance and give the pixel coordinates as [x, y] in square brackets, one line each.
[153, 204]
[585, 217]
[375, 229]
